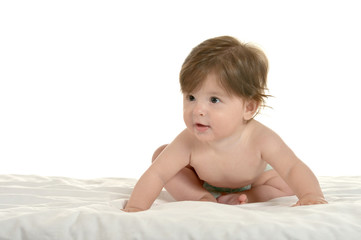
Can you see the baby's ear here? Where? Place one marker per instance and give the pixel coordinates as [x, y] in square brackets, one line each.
[251, 109]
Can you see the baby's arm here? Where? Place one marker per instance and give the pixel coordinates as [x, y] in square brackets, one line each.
[145, 191]
[295, 173]
[305, 185]
[168, 164]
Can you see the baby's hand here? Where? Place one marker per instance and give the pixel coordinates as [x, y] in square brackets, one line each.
[311, 199]
[131, 209]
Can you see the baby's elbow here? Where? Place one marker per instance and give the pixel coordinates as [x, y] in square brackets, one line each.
[293, 168]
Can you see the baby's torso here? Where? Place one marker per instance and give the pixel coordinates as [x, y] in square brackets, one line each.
[233, 167]
[228, 171]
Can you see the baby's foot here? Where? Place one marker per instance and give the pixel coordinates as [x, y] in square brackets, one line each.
[233, 199]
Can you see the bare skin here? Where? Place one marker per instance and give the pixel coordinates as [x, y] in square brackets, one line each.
[225, 147]
[267, 186]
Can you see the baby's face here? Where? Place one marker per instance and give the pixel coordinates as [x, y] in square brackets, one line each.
[211, 114]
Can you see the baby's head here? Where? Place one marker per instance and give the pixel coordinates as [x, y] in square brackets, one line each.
[241, 68]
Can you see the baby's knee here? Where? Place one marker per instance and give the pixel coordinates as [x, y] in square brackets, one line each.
[158, 151]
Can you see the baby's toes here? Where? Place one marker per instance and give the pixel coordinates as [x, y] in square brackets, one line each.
[243, 199]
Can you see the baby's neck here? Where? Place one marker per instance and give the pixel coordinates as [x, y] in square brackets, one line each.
[231, 141]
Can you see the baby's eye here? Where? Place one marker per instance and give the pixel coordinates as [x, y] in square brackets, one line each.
[215, 100]
[191, 98]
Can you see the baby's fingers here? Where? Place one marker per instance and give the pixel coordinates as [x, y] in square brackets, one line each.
[131, 209]
[310, 202]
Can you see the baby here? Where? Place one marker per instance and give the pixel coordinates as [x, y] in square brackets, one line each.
[224, 155]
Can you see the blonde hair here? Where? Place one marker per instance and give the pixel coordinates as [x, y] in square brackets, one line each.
[241, 68]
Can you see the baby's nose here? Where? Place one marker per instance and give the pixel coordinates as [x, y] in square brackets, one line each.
[200, 110]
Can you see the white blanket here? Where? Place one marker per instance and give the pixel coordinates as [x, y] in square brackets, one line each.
[35, 207]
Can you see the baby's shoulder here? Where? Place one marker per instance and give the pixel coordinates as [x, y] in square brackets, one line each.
[184, 139]
[181, 147]
[262, 134]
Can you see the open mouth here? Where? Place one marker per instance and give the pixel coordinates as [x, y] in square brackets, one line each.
[201, 128]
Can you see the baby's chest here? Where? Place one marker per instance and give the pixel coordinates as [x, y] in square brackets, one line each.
[227, 168]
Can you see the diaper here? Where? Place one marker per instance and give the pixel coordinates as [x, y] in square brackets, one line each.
[268, 167]
[218, 191]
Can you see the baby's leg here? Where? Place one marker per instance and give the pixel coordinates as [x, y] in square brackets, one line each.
[268, 186]
[185, 185]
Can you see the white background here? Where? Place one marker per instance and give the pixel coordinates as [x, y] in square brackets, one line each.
[90, 88]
